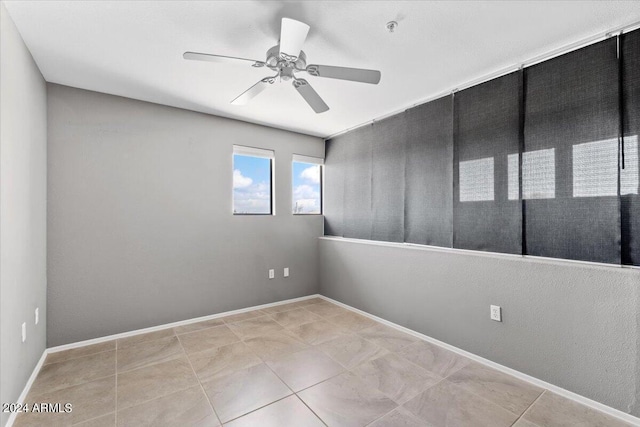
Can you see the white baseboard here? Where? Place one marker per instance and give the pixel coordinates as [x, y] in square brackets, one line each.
[174, 324]
[623, 416]
[47, 351]
[535, 381]
[27, 387]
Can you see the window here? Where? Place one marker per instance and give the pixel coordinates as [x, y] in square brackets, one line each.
[252, 181]
[476, 180]
[513, 176]
[595, 168]
[539, 174]
[307, 185]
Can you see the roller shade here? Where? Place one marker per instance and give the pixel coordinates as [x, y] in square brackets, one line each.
[335, 170]
[570, 159]
[486, 209]
[357, 183]
[629, 185]
[428, 174]
[387, 184]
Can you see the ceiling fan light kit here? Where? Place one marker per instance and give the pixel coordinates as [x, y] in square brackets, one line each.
[287, 59]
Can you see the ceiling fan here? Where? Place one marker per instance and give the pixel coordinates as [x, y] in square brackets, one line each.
[287, 59]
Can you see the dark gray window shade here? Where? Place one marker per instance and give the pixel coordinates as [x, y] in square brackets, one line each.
[526, 163]
[570, 159]
[428, 174]
[357, 182]
[387, 187]
[487, 212]
[335, 170]
[629, 186]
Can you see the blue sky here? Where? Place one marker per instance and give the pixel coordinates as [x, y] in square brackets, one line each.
[306, 188]
[251, 186]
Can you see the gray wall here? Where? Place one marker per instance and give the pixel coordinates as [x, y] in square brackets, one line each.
[140, 230]
[573, 325]
[23, 210]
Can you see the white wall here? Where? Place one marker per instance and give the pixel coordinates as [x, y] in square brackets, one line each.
[140, 224]
[23, 198]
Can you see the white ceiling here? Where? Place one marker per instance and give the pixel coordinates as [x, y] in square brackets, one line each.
[134, 49]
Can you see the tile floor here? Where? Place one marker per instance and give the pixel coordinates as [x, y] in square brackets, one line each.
[309, 363]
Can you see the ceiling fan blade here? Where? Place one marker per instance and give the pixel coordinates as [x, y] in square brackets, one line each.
[310, 95]
[292, 36]
[218, 58]
[253, 91]
[344, 73]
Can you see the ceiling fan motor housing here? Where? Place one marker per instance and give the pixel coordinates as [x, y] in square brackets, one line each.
[283, 66]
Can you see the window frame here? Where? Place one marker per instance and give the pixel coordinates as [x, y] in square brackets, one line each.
[299, 158]
[243, 150]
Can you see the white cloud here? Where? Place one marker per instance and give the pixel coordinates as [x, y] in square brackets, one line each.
[311, 174]
[239, 180]
[307, 204]
[252, 206]
[304, 191]
[306, 199]
[254, 198]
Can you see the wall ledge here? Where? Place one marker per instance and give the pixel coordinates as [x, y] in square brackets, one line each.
[494, 255]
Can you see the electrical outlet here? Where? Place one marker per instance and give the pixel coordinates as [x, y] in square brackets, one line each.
[496, 313]
[24, 331]
[272, 273]
[286, 272]
[37, 315]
